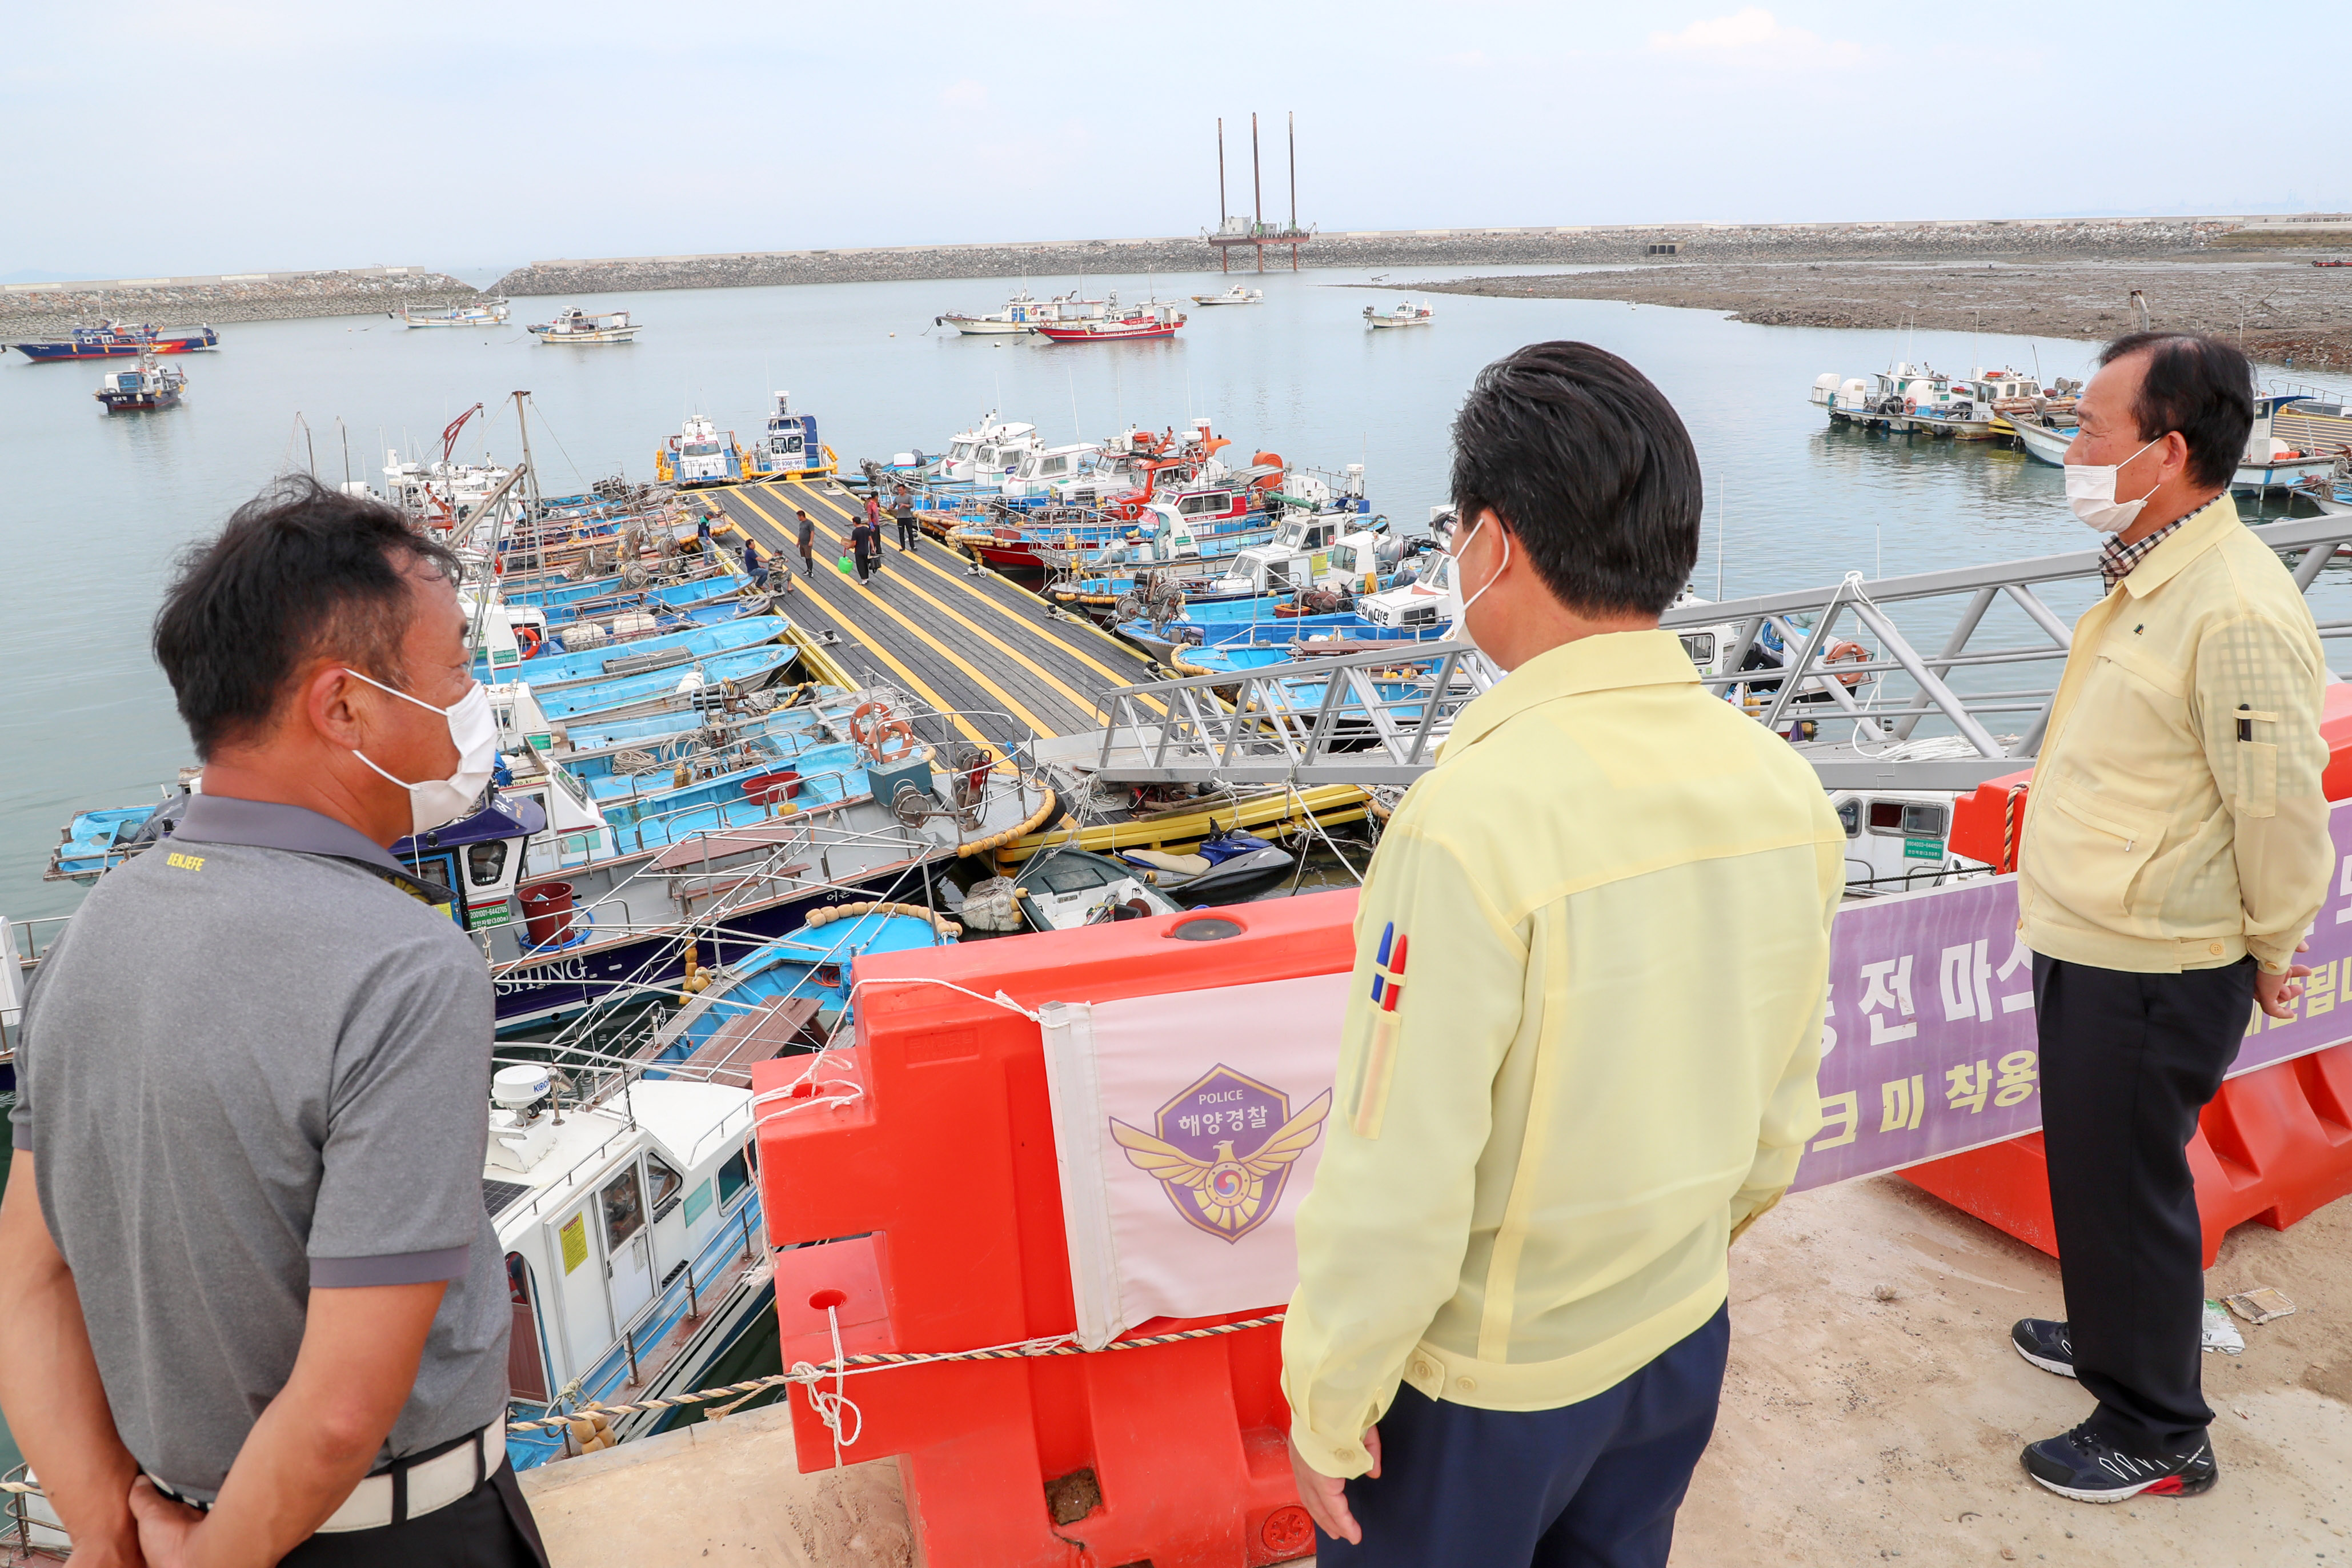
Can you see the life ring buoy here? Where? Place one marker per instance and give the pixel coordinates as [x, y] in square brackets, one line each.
[884, 725]
[527, 640]
[1848, 653]
[1910, 405]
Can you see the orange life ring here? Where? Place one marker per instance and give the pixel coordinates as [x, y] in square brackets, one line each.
[885, 725]
[1910, 405]
[1848, 653]
[527, 638]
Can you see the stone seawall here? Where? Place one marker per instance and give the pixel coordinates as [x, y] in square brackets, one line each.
[1052, 261]
[27, 309]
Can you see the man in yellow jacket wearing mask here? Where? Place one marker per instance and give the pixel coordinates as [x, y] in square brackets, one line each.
[1591, 954]
[2176, 851]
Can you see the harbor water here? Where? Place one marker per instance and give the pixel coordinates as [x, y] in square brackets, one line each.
[96, 506]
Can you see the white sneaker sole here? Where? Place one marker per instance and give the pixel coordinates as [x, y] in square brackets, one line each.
[2121, 1494]
[2062, 1369]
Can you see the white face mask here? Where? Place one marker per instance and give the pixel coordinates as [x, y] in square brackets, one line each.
[2091, 492]
[1462, 616]
[475, 729]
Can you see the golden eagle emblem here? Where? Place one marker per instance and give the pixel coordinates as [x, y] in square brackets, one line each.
[1194, 1156]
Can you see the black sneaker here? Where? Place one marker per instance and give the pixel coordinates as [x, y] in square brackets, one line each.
[2085, 1467]
[2044, 1344]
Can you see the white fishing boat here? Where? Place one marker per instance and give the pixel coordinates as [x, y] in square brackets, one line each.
[2268, 463]
[1406, 314]
[488, 313]
[577, 326]
[627, 1210]
[988, 452]
[442, 495]
[1019, 315]
[1236, 294]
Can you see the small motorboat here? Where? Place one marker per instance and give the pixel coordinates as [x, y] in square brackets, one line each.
[578, 326]
[1406, 314]
[698, 455]
[1021, 314]
[1236, 294]
[150, 386]
[1233, 866]
[1066, 888]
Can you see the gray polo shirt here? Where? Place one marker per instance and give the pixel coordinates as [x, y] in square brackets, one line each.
[257, 1063]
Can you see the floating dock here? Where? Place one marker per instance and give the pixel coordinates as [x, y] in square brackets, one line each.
[1003, 664]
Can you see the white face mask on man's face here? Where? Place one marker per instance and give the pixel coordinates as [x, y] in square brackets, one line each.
[475, 731]
[2090, 493]
[1462, 617]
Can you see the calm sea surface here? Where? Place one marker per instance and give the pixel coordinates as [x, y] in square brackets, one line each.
[93, 506]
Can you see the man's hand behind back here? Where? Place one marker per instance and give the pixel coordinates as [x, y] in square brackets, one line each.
[2277, 994]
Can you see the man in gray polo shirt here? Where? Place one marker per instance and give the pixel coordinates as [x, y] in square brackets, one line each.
[251, 1306]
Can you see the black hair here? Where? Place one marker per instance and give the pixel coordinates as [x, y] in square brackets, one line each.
[2199, 386]
[1586, 464]
[298, 569]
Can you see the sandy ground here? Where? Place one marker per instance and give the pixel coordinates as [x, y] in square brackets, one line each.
[1874, 1411]
[1874, 1408]
[2287, 310]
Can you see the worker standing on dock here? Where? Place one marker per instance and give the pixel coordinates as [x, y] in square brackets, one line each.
[2176, 850]
[902, 507]
[1579, 1055]
[866, 544]
[251, 1305]
[807, 542]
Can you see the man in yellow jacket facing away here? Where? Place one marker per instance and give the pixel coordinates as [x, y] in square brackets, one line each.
[2176, 851]
[1580, 1056]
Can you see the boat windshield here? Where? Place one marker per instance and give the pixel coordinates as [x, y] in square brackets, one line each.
[961, 449]
[702, 449]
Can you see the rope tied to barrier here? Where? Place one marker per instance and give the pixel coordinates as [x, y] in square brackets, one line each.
[836, 1407]
[2008, 827]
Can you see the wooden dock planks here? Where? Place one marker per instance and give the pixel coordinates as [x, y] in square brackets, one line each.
[979, 647]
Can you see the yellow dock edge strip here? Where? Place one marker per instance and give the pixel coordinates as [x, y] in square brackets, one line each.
[1328, 803]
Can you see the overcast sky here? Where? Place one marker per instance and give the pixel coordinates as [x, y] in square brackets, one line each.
[197, 137]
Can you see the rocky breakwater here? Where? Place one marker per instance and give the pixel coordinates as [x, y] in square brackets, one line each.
[30, 308]
[1364, 248]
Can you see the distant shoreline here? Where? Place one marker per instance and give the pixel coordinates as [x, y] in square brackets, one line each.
[1763, 272]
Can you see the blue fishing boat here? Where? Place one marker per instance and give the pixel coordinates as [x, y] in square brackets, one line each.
[789, 449]
[108, 341]
[694, 688]
[586, 651]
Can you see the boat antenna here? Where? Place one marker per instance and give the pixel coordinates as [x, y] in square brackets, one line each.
[1257, 192]
[531, 493]
[346, 431]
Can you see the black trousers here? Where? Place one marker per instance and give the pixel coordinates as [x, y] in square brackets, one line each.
[2128, 1061]
[908, 532]
[1590, 1485]
[866, 565]
[490, 1526]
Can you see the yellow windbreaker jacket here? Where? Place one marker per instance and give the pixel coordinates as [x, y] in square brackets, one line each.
[2176, 821]
[1591, 954]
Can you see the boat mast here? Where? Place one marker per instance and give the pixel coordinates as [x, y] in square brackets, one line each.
[1257, 194]
[530, 483]
[1294, 186]
[1224, 262]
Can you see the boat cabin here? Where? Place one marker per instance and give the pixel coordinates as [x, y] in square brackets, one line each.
[789, 447]
[626, 1223]
[1895, 839]
[1045, 471]
[475, 862]
[698, 455]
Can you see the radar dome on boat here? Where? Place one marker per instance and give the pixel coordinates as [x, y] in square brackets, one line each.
[515, 1087]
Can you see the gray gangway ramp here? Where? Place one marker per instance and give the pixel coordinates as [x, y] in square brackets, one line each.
[1974, 709]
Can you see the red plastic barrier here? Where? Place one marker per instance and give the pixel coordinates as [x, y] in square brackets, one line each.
[934, 1204]
[2274, 1145]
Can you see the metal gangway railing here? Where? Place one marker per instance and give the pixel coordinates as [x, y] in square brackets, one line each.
[1370, 717]
[1804, 663]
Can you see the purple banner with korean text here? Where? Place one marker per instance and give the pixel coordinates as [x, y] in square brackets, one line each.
[1928, 1047]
